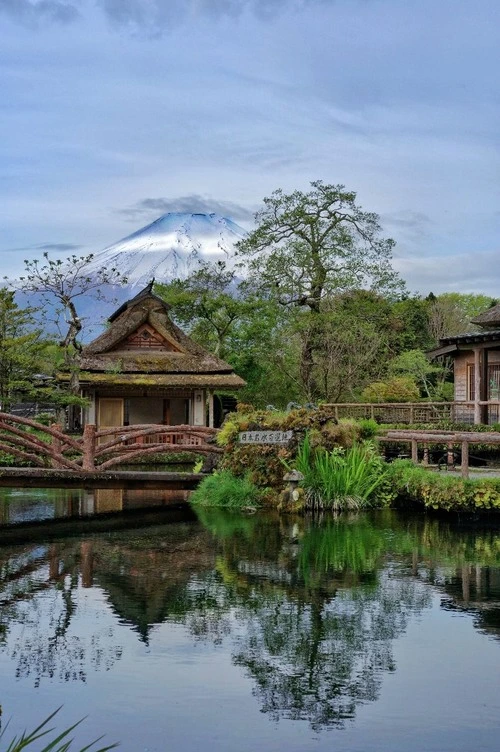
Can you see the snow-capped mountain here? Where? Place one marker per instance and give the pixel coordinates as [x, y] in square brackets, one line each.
[170, 247]
[167, 248]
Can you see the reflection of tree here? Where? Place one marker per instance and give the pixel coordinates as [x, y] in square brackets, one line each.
[318, 661]
[38, 599]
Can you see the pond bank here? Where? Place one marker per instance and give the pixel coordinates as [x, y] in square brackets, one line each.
[28, 477]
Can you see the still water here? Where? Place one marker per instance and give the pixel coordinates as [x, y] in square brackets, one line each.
[372, 632]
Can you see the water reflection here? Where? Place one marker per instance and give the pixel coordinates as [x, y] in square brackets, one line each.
[311, 609]
[39, 504]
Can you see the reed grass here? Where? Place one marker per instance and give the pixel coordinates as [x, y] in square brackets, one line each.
[340, 479]
[60, 743]
[223, 489]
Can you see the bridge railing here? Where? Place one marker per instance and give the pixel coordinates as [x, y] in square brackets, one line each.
[44, 446]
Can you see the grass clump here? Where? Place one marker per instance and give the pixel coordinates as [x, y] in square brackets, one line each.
[60, 743]
[340, 479]
[225, 490]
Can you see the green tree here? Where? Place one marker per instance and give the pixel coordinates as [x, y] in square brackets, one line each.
[451, 313]
[307, 246]
[428, 376]
[21, 351]
[224, 315]
[210, 303]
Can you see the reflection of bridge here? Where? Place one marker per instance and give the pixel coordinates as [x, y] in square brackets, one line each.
[50, 447]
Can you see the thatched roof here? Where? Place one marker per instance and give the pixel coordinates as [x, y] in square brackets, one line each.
[184, 380]
[119, 355]
[490, 318]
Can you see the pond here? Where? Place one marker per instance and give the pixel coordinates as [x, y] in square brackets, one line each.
[369, 632]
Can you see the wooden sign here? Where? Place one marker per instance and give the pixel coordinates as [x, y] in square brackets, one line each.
[265, 437]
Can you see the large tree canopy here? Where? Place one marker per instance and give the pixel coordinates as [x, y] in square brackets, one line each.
[309, 247]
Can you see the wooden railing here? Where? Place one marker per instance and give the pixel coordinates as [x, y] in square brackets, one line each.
[48, 446]
[448, 439]
[414, 412]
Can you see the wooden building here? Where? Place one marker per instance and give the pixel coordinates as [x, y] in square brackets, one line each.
[476, 364]
[144, 370]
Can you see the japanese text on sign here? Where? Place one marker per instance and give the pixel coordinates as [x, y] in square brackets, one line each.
[265, 437]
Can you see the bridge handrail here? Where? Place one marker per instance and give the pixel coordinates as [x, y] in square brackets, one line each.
[50, 430]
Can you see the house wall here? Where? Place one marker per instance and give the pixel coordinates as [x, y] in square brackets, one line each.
[460, 363]
[460, 374]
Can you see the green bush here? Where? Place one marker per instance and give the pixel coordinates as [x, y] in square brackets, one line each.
[223, 489]
[414, 484]
[340, 479]
[395, 389]
[263, 463]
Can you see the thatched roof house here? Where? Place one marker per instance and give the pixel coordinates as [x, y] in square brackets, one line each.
[144, 369]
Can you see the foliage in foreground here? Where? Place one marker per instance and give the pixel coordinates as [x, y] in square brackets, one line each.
[223, 489]
[415, 485]
[60, 743]
[340, 479]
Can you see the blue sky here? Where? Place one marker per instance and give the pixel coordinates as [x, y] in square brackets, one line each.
[114, 111]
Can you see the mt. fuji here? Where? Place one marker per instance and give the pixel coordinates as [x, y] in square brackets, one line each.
[169, 247]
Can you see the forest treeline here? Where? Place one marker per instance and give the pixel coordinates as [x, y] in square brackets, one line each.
[309, 308]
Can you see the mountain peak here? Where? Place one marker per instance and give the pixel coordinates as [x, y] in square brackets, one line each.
[170, 246]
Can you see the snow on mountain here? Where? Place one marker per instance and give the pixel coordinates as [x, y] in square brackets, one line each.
[170, 247]
[167, 248]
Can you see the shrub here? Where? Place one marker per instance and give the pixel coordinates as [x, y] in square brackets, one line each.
[442, 491]
[396, 389]
[223, 489]
[263, 463]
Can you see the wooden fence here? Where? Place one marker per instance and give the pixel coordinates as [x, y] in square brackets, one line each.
[414, 412]
[448, 439]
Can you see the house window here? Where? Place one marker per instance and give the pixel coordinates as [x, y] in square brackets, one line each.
[493, 382]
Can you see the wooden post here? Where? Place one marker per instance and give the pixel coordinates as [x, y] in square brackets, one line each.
[336, 411]
[372, 412]
[425, 459]
[89, 441]
[414, 450]
[412, 414]
[449, 457]
[483, 396]
[477, 385]
[465, 459]
[56, 445]
[211, 409]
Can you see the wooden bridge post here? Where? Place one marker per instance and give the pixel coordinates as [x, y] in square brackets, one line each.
[89, 444]
[414, 450]
[425, 460]
[56, 445]
[465, 459]
[450, 457]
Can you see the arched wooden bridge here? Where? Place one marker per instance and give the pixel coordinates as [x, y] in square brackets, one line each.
[49, 446]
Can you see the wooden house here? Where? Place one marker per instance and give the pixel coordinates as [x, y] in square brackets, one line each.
[144, 370]
[476, 364]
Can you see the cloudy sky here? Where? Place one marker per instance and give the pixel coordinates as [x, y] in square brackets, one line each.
[115, 111]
